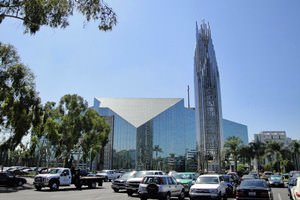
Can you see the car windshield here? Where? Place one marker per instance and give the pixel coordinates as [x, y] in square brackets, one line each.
[207, 180]
[183, 176]
[253, 183]
[128, 175]
[275, 178]
[55, 171]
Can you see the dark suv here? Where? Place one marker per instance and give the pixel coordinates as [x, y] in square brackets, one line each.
[160, 187]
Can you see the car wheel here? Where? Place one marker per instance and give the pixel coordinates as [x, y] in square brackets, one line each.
[116, 190]
[93, 185]
[181, 195]
[129, 193]
[20, 183]
[106, 179]
[168, 197]
[54, 186]
[38, 188]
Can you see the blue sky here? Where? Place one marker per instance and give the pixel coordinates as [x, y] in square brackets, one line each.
[150, 54]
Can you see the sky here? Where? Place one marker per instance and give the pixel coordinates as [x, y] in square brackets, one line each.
[150, 53]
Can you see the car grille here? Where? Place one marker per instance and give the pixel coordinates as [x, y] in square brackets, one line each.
[134, 184]
[39, 179]
[201, 191]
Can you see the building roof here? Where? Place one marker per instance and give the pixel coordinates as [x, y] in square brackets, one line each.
[137, 111]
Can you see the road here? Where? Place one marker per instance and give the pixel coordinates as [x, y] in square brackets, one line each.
[101, 193]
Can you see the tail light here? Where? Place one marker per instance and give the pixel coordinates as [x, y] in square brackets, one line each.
[240, 193]
[264, 194]
[297, 194]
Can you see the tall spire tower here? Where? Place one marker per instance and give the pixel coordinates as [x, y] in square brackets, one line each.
[207, 102]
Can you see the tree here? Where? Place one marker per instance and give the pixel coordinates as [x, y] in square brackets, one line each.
[273, 150]
[95, 134]
[231, 146]
[245, 154]
[295, 150]
[258, 150]
[55, 13]
[157, 150]
[19, 101]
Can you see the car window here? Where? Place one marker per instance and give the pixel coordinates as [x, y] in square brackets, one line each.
[207, 180]
[171, 181]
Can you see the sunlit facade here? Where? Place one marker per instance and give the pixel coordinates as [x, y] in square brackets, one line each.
[231, 128]
[148, 133]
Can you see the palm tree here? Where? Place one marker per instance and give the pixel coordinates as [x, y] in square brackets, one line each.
[246, 155]
[274, 149]
[157, 150]
[232, 146]
[258, 150]
[295, 150]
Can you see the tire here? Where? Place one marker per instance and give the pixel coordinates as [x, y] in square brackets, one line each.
[20, 183]
[93, 185]
[129, 192]
[168, 196]
[181, 195]
[78, 186]
[38, 188]
[143, 198]
[54, 186]
[116, 190]
[106, 179]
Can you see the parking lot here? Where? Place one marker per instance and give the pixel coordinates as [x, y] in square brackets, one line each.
[27, 192]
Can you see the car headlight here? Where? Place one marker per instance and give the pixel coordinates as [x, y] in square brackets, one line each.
[142, 189]
[192, 190]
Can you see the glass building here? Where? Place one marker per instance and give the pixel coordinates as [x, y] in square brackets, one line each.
[148, 133]
[231, 128]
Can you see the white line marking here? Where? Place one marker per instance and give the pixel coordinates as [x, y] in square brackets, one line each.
[279, 196]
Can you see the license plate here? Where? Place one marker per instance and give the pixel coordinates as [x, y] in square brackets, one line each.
[252, 193]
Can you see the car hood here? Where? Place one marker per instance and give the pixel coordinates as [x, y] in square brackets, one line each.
[47, 175]
[205, 186]
[135, 180]
[184, 181]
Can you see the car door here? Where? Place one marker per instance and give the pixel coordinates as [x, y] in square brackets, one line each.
[65, 177]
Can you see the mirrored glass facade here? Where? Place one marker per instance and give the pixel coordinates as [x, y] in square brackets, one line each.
[163, 141]
[231, 128]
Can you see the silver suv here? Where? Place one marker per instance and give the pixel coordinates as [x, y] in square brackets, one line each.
[160, 187]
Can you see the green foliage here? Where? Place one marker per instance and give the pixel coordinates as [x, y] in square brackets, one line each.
[19, 101]
[55, 13]
[71, 125]
[232, 147]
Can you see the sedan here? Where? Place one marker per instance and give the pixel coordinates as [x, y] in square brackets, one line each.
[295, 190]
[257, 189]
[276, 181]
[9, 179]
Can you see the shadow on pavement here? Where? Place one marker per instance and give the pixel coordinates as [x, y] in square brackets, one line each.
[4, 189]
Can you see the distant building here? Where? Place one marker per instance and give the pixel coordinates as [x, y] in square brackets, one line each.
[207, 101]
[231, 128]
[277, 136]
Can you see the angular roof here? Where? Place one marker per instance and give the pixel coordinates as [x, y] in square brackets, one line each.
[138, 111]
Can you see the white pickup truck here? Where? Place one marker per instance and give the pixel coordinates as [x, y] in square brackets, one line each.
[64, 177]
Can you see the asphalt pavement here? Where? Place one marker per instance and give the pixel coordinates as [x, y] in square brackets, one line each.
[28, 192]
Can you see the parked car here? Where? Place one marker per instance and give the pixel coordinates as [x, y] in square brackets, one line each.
[254, 189]
[109, 175]
[266, 175]
[10, 180]
[120, 183]
[186, 179]
[291, 183]
[295, 189]
[209, 186]
[160, 187]
[248, 176]
[276, 181]
[132, 184]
